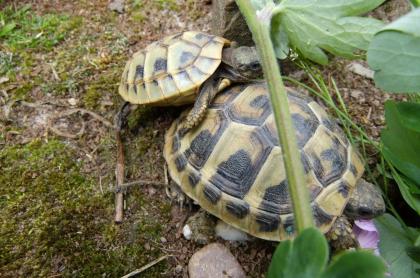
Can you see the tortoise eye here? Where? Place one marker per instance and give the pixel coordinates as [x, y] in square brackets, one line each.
[255, 66]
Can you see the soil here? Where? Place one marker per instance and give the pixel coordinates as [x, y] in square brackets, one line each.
[46, 85]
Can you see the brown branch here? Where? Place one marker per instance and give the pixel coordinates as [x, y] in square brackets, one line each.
[119, 174]
[68, 113]
[149, 265]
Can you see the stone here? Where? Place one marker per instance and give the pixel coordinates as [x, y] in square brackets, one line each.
[360, 69]
[228, 232]
[214, 261]
[228, 22]
[116, 6]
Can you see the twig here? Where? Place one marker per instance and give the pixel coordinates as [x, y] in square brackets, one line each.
[123, 187]
[149, 265]
[55, 74]
[66, 134]
[84, 111]
[68, 113]
[119, 174]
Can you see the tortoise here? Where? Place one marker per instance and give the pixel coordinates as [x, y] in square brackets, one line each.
[231, 165]
[174, 70]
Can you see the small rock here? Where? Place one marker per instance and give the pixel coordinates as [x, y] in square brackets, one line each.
[163, 240]
[214, 261]
[4, 79]
[356, 94]
[72, 101]
[186, 231]
[116, 6]
[228, 232]
[360, 69]
[178, 269]
[147, 246]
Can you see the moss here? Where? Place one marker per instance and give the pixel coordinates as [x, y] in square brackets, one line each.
[54, 221]
[34, 31]
[91, 97]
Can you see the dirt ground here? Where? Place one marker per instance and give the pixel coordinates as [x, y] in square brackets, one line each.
[57, 148]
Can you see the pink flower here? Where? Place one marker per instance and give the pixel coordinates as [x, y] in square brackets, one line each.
[367, 235]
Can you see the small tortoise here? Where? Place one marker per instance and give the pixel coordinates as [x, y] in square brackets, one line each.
[174, 70]
[231, 164]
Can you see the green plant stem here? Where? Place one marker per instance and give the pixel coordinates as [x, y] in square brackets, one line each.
[293, 166]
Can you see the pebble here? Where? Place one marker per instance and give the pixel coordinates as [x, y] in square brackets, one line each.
[72, 101]
[215, 261]
[361, 70]
[163, 240]
[186, 231]
[178, 269]
[116, 6]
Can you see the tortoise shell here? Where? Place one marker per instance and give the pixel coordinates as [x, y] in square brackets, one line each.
[170, 71]
[232, 165]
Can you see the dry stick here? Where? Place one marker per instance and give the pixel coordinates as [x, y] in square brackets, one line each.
[119, 173]
[149, 265]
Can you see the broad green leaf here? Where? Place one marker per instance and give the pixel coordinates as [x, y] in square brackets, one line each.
[394, 54]
[402, 144]
[414, 253]
[259, 4]
[415, 3]
[409, 191]
[315, 25]
[305, 256]
[359, 264]
[280, 41]
[409, 114]
[392, 246]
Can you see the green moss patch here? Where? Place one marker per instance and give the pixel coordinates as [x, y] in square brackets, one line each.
[55, 220]
[23, 29]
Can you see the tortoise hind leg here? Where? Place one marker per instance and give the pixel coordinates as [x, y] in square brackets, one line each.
[341, 236]
[207, 93]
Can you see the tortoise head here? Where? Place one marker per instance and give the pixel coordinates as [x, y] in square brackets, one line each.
[366, 202]
[246, 62]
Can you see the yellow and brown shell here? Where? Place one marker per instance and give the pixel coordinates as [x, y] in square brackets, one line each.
[170, 71]
[232, 165]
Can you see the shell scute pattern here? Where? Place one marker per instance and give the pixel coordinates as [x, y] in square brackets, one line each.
[232, 163]
[170, 71]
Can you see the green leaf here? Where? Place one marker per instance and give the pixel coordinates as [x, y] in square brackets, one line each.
[259, 4]
[394, 54]
[414, 253]
[280, 41]
[392, 246]
[415, 3]
[409, 115]
[306, 256]
[401, 141]
[6, 29]
[359, 264]
[315, 25]
[408, 190]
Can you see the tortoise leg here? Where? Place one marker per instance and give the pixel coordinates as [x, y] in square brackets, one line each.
[205, 97]
[341, 236]
[175, 194]
[122, 115]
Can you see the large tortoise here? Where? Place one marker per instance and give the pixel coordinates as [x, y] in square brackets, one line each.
[231, 164]
[174, 70]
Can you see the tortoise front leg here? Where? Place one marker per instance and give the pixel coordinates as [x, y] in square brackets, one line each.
[341, 236]
[206, 95]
